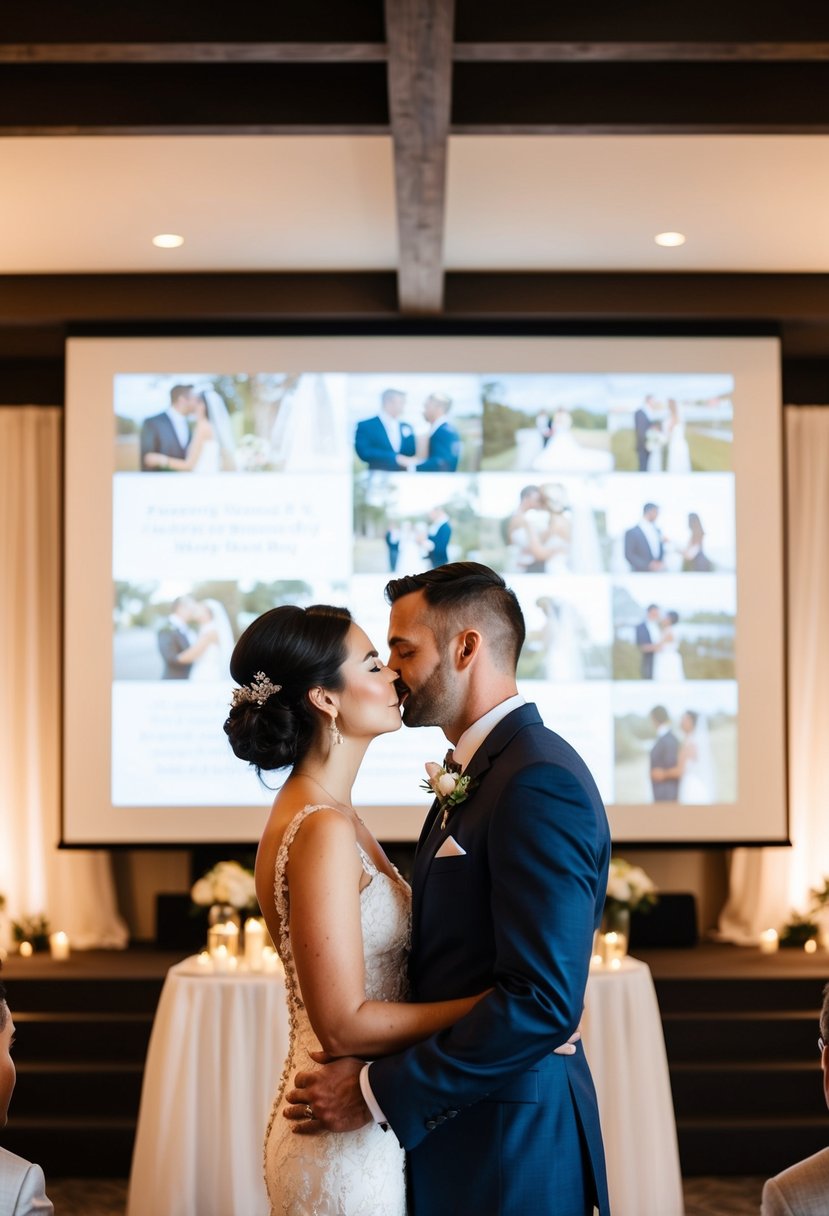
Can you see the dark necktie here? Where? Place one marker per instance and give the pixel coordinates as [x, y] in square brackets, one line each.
[449, 762]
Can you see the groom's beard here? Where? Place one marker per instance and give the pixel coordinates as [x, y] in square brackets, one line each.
[434, 703]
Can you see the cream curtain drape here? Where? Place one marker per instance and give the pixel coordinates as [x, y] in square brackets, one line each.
[765, 885]
[75, 890]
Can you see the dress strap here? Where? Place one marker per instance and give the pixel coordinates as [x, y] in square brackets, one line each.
[368, 865]
[280, 882]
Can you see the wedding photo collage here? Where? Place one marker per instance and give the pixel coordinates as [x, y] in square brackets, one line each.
[606, 501]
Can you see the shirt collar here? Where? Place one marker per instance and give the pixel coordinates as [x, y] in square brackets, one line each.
[474, 735]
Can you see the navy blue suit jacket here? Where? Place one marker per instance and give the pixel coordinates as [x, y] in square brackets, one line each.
[374, 446]
[491, 1119]
[159, 435]
[444, 451]
[638, 552]
[440, 539]
[643, 638]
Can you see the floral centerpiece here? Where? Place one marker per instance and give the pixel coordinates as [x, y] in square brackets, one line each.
[34, 929]
[629, 889]
[227, 883]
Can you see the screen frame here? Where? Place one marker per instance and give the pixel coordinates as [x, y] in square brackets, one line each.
[91, 365]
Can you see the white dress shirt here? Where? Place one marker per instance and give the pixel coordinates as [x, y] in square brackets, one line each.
[22, 1188]
[653, 536]
[180, 426]
[392, 426]
[465, 749]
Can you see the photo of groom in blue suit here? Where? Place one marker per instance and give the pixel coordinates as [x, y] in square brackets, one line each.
[386, 441]
[498, 1113]
[444, 440]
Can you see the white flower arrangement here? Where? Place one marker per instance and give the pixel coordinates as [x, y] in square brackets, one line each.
[227, 883]
[253, 454]
[629, 887]
[655, 438]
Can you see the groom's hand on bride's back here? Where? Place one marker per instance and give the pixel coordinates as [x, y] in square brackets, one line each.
[327, 1099]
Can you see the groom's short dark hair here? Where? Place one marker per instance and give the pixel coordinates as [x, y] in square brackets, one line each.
[180, 390]
[461, 593]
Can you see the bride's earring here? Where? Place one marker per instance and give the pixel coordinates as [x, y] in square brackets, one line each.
[335, 732]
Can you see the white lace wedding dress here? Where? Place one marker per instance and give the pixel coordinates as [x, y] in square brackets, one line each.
[351, 1173]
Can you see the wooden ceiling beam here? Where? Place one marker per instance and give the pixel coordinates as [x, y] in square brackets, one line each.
[193, 52]
[419, 35]
[637, 52]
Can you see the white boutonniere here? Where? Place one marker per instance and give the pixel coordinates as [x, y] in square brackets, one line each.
[449, 788]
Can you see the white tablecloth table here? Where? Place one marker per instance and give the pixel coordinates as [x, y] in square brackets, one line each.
[216, 1054]
[625, 1047]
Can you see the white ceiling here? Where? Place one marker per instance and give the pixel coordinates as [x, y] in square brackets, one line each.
[92, 204]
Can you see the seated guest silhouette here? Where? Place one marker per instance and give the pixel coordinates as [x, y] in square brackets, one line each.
[803, 1189]
[22, 1187]
[444, 440]
[386, 441]
[168, 434]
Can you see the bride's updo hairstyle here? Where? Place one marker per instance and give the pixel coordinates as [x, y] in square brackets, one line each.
[299, 649]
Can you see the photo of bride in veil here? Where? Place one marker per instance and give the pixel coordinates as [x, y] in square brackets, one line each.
[211, 618]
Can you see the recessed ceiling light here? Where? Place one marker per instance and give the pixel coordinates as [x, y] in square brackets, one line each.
[168, 240]
[670, 239]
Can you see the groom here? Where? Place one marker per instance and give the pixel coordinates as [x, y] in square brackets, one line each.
[169, 433]
[507, 890]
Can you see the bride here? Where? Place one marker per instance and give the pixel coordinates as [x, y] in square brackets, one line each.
[667, 661]
[564, 453]
[214, 662]
[679, 457]
[312, 695]
[696, 762]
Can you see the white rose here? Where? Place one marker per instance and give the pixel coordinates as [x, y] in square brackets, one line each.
[619, 890]
[446, 784]
[202, 892]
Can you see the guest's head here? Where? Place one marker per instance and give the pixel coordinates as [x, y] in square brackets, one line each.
[436, 406]
[660, 716]
[321, 670]
[183, 399]
[650, 511]
[8, 1076]
[451, 629]
[393, 402]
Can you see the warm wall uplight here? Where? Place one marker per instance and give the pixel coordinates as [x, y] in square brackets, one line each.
[670, 239]
[168, 240]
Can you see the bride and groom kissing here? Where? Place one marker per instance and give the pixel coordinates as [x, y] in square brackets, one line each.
[196, 640]
[193, 435]
[469, 1019]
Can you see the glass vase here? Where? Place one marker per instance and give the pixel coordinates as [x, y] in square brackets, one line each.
[223, 932]
[614, 934]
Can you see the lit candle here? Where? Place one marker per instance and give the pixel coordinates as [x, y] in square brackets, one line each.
[59, 946]
[25, 949]
[254, 943]
[221, 960]
[768, 941]
[204, 962]
[810, 946]
[271, 963]
[615, 964]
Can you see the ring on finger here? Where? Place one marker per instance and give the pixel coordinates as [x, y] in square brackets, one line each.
[309, 1111]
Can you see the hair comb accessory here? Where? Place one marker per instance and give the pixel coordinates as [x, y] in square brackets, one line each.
[258, 691]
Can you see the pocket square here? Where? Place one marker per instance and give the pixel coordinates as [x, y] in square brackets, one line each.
[450, 848]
